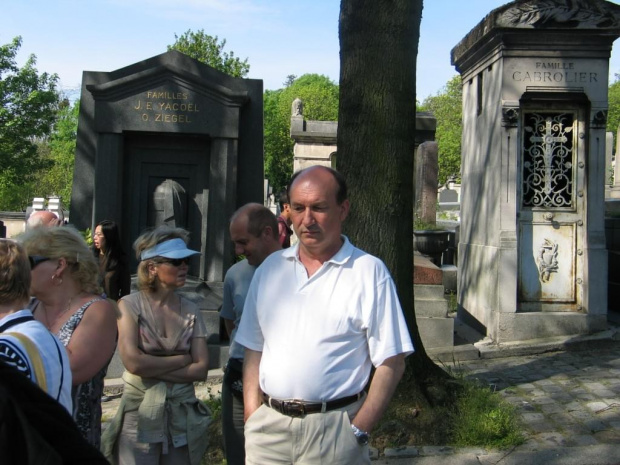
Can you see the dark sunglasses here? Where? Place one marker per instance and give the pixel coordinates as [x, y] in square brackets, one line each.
[36, 260]
[174, 261]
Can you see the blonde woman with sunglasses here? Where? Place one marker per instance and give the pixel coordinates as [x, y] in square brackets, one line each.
[162, 343]
[67, 300]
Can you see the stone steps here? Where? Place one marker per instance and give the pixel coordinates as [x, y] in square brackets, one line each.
[431, 307]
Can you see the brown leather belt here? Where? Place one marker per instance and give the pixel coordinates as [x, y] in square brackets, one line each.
[298, 408]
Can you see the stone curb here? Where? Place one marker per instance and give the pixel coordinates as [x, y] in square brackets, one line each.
[486, 349]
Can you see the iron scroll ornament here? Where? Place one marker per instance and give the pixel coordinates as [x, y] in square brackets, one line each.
[548, 160]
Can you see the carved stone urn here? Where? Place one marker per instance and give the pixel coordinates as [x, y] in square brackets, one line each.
[432, 243]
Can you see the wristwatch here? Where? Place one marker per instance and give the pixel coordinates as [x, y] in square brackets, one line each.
[361, 436]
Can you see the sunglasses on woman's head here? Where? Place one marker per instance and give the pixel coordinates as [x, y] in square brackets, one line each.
[174, 261]
[36, 260]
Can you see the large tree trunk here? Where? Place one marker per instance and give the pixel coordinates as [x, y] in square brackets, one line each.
[376, 130]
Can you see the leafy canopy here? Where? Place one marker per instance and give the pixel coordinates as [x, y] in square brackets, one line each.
[28, 105]
[59, 149]
[208, 50]
[446, 106]
[613, 115]
[320, 98]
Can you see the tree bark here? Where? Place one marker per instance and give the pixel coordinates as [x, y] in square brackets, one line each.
[376, 134]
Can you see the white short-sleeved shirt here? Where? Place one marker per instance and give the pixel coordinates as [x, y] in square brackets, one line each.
[236, 285]
[52, 352]
[319, 336]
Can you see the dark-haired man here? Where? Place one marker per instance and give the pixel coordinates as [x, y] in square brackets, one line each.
[254, 232]
[312, 338]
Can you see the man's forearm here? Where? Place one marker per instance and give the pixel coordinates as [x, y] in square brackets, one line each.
[381, 390]
[252, 395]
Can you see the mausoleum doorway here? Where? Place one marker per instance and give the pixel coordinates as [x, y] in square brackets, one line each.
[165, 184]
[553, 197]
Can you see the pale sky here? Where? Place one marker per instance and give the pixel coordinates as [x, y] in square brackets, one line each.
[279, 37]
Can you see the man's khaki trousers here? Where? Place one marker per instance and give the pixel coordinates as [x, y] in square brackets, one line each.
[318, 438]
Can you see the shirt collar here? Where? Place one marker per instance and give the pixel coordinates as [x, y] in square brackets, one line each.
[339, 258]
[14, 318]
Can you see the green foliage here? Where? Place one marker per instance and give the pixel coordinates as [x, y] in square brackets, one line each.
[214, 402]
[452, 301]
[214, 454]
[320, 98]
[446, 106]
[15, 196]
[613, 114]
[464, 413]
[208, 50]
[483, 418]
[420, 225]
[28, 105]
[278, 145]
[59, 150]
[87, 234]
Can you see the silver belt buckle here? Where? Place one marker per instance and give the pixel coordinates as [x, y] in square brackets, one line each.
[293, 408]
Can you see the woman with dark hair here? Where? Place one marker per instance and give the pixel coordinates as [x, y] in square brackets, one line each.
[114, 274]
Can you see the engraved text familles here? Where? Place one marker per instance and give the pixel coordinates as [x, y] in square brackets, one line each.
[166, 107]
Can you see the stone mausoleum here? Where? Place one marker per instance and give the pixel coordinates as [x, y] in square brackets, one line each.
[532, 257]
[169, 140]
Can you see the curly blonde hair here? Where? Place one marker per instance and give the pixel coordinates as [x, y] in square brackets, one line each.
[14, 273]
[147, 240]
[65, 242]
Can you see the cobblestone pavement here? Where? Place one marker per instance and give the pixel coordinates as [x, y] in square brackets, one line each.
[569, 402]
[564, 398]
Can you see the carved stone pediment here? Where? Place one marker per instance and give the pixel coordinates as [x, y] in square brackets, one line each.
[560, 13]
[556, 15]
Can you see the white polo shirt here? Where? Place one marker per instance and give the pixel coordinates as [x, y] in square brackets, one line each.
[53, 354]
[319, 336]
